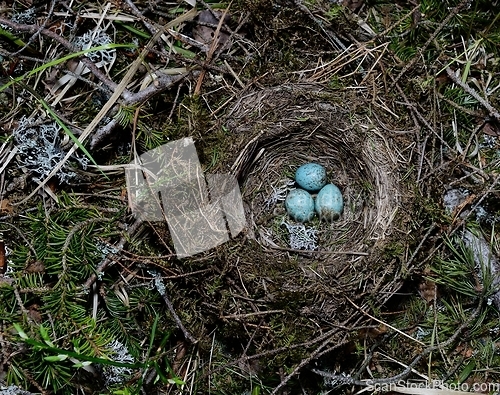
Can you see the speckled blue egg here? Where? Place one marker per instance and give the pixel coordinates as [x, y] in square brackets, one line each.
[299, 205]
[329, 203]
[311, 177]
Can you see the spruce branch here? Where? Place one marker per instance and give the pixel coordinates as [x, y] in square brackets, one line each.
[76, 229]
[453, 12]
[50, 347]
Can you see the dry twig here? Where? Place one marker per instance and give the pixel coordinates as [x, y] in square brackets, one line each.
[492, 110]
[408, 370]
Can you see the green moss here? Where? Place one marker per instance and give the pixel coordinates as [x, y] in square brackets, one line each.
[394, 249]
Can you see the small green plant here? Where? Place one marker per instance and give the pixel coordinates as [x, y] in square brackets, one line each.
[116, 364]
[125, 115]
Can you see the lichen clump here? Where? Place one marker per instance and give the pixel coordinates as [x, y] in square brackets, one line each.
[39, 150]
[95, 39]
[302, 237]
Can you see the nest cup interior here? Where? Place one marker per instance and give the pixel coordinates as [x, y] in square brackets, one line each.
[357, 159]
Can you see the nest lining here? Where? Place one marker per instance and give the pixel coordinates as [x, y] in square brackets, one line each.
[283, 127]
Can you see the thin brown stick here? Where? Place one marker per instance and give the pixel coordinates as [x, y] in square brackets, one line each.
[395, 24]
[407, 264]
[492, 110]
[459, 107]
[329, 35]
[76, 229]
[238, 316]
[177, 320]
[211, 51]
[101, 268]
[35, 35]
[360, 253]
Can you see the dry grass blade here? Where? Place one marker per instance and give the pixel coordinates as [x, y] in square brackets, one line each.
[96, 15]
[385, 323]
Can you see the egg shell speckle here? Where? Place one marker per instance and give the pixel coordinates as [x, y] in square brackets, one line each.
[329, 203]
[311, 177]
[299, 205]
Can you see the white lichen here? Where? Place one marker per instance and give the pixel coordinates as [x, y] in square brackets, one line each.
[13, 390]
[335, 380]
[96, 39]
[488, 142]
[39, 150]
[278, 194]
[27, 17]
[302, 237]
[421, 333]
[158, 282]
[116, 374]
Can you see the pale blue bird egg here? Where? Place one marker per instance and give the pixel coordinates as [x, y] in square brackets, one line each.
[311, 177]
[299, 205]
[329, 203]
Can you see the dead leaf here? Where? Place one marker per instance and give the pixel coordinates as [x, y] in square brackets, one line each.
[34, 313]
[458, 210]
[179, 357]
[6, 207]
[491, 129]
[35, 267]
[427, 290]
[206, 34]
[465, 351]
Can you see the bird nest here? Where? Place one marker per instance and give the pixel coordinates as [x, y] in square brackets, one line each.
[278, 129]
